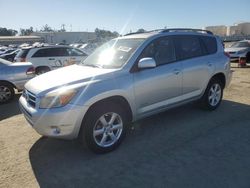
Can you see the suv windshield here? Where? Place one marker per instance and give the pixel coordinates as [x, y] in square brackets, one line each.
[241, 45]
[113, 54]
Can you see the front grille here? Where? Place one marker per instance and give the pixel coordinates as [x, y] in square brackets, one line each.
[231, 52]
[30, 98]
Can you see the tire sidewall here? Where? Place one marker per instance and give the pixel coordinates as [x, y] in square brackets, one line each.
[11, 90]
[205, 99]
[91, 118]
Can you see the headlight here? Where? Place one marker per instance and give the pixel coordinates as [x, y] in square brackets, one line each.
[57, 99]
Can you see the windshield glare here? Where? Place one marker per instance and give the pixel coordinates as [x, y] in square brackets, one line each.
[240, 44]
[113, 54]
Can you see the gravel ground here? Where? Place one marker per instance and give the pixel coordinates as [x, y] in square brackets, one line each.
[183, 147]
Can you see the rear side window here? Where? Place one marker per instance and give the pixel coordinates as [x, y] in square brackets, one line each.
[51, 52]
[210, 44]
[22, 53]
[188, 47]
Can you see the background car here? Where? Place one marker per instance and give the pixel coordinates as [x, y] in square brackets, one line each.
[47, 58]
[238, 50]
[10, 56]
[13, 76]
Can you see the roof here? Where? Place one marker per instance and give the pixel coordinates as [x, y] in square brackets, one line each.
[161, 31]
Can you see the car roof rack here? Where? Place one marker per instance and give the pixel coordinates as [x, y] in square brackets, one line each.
[173, 30]
[186, 30]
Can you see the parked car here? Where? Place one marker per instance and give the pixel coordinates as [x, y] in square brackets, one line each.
[88, 48]
[47, 58]
[124, 80]
[10, 56]
[238, 50]
[13, 76]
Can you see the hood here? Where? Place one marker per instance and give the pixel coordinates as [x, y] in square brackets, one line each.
[74, 74]
[234, 49]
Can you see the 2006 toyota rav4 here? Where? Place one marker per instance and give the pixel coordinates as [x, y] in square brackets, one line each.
[126, 79]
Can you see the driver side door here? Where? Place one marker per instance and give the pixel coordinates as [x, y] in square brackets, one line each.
[158, 87]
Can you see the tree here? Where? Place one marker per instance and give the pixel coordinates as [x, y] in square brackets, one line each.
[141, 30]
[25, 32]
[46, 28]
[7, 32]
[102, 34]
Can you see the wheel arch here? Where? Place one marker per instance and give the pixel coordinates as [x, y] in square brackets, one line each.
[220, 76]
[116, 99]
[8, 82]
[42, 67]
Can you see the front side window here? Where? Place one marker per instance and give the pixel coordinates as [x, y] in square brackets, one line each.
[161, 50]
[113, 54]
[188, 47]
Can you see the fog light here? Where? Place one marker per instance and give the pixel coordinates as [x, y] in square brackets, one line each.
[55, 130]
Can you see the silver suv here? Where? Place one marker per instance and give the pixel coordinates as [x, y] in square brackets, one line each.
[124, 80]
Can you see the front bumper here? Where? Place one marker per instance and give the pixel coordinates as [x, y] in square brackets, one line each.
[64, 122]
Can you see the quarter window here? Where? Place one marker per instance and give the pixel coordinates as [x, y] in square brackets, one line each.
[209, 44]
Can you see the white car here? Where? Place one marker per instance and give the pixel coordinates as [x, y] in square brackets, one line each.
[238, 50]
[49, 58]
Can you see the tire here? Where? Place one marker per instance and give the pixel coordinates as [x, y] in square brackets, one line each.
[104, 127]
[6, 92]
[42, 70]
[213, 95]
[248, 57]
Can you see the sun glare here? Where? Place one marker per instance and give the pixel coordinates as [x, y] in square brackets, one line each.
[106, 56]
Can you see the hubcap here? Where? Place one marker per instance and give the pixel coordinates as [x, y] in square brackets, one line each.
[108, 129]
[214, 95]
[5, 93]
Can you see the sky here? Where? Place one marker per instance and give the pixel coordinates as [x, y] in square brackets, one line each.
[121, 15]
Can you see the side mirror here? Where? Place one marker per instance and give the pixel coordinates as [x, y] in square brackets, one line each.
[146, 62]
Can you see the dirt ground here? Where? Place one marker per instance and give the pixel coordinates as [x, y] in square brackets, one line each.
[183, 147]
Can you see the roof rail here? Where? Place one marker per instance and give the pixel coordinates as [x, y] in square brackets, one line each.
[134, 33]
[186, 30]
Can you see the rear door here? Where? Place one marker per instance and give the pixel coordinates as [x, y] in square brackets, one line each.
[196, 64]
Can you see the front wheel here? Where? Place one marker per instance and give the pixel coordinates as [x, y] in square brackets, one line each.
[104, 128]
[213, 95]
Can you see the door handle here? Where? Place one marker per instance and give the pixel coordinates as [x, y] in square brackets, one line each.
[177, 71]
[51, 58]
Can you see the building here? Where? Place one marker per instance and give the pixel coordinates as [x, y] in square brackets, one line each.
[239, 29]
[17, 40]
[65, 37]
[242, 29]
[220, 30]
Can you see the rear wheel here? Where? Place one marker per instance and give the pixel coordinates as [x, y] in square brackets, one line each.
[104, 128]
[42, 70]
[6, 92]
[213, 95]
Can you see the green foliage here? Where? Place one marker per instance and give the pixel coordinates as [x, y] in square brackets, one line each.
[7, 32]
[102, 34]
[25, 32]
